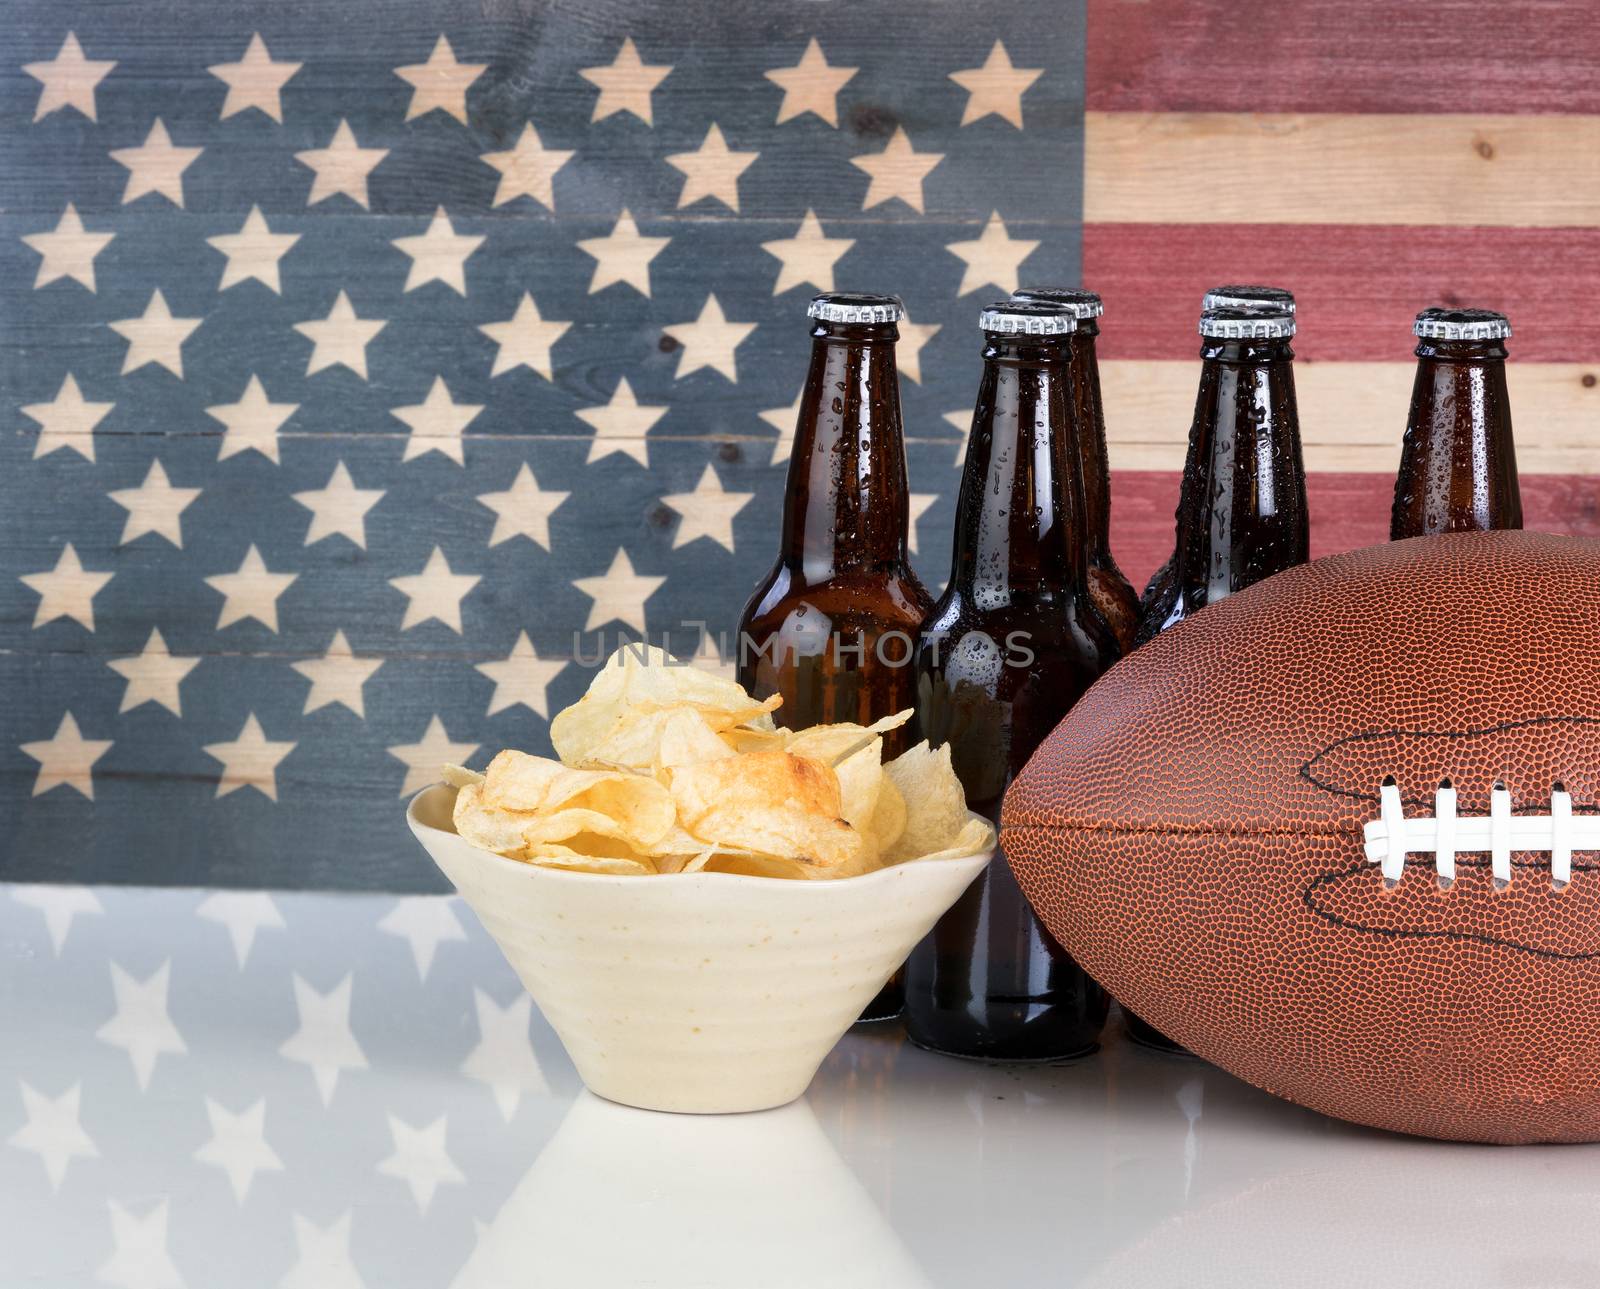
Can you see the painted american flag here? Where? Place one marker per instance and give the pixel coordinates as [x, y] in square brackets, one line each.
[364, 366]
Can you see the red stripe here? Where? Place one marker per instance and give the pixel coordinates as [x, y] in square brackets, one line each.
[1347, 511]
[1522, 56]
[1357, 288]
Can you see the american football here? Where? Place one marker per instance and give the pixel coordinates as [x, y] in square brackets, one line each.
[1339, 834]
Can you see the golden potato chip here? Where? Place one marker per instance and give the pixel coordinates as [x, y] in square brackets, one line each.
[889, 818]
[651, 742]
[577, 861]
[936, 806]
[860, 778]
[975, 835]
[458, 776]
[488, 826]
[773, 803]
[752, 738]
[831, 743]
[640, 807]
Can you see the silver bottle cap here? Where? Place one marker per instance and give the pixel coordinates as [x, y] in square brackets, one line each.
[1026, 317]
[1083, 305]
[856, 307]
[1237, 296]
[1258, 322]
[1461, 324]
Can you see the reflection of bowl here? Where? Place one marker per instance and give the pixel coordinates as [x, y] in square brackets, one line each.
[622, 1198]
[702, 992]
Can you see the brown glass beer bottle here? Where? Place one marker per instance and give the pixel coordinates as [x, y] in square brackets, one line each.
[1242, 508]
[1109, 588]
[1008, 649]
[1458, 467]
[833, 626]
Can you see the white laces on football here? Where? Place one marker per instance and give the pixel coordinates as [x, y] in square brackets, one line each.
[1445, 834]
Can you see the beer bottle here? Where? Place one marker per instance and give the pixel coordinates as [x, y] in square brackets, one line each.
[1458, 468]
[832, 627]
[1008, 649]
[1242, 509]
[1113, 595]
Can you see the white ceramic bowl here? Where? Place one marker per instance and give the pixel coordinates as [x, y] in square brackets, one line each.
[701, 992]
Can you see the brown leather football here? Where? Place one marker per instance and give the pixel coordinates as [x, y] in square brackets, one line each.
[1340, 834]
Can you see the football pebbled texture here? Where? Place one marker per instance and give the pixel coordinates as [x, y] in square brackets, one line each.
[1192, 833]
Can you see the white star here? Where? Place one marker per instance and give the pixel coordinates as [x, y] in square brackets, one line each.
[625, 84]
[440, 83]
[423, 758]
[908, 352]
[995, 88]
[69, 250]
[155, 337]
[243, 913]
[527, 170]
[504, 1057]
[249, 761]
[324, 1257]
[920, 501]
[624, 255]
[897, 171]
[59, 905]
[253, 252]
[142, 1026]
[710, 341]
[523, 509]
[67, 758]
[708, 511]
[54, 1131]
[324, 1040]
[962, 420]
[339, 509]
[341, 167]
[156, 165]
[522, 677]
[808, 256]
[69, 80]
[66, 591]
[250, 592]
[435, 593]
[524, 339]
[337, 677]
[439, 255]
[340, 338]
[420, 1160]
[255, 81]
[711, 170]
[811, 85]
[993, 258]
[67, 421]
[238, 1145]
[621, 425]
[253, 422]
[618, 594]
[140, 1260]
[424, 921]
[155, 506]
[436, 423]
[784, 420]
[153, 675]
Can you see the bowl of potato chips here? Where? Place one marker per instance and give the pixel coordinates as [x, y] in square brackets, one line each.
[701, 903]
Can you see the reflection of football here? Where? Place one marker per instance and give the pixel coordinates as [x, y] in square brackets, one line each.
[1340, 834]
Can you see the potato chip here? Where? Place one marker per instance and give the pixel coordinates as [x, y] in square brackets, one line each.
[773, 803]
[832, 743]
[860, 778]
[936, 806]
[975, 835]
[458, 776]
[889, 818]
[488, 826]
[641, 808]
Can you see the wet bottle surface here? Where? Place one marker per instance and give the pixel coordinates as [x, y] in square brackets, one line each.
[1242, 509]
[1010, 646]
[1113, 595]
[833, 625]
[1458, 465]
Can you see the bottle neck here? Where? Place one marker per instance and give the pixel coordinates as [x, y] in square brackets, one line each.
[847, 507]
[1094, 466]
[1458, 465]
[1019, 520]
[1242, 513]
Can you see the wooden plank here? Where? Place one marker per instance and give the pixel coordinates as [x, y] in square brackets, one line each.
[1357, 288]
[1533, 56]
[1352, 415]
[1339, 168]
[1347, 511]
